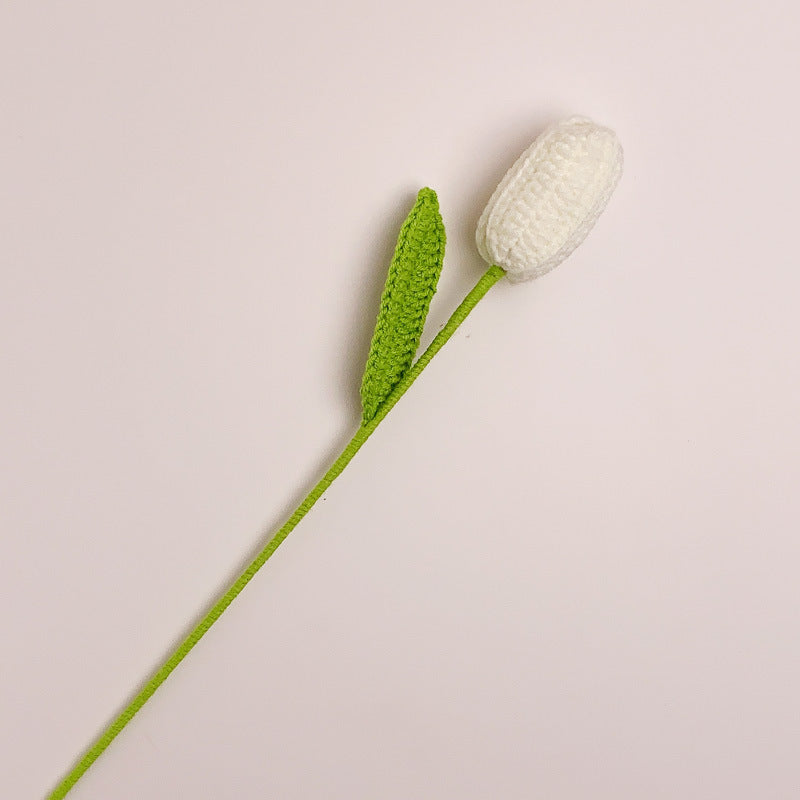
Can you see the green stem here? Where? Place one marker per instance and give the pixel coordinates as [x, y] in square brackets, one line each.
[490, 277]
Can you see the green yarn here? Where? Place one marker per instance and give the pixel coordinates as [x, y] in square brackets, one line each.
[410, 285]
[489, 278]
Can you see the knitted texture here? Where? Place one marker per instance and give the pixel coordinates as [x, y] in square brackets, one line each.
[549, 200]
[540, 212]
[410, 285]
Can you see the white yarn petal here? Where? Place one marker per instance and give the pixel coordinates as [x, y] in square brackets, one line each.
[549, 200]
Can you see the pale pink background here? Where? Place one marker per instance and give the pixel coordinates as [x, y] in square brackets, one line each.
[566, 566]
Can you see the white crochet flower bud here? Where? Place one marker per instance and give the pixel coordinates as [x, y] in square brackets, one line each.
[549, 200]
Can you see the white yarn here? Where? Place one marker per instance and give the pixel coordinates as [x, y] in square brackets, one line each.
[549, 200]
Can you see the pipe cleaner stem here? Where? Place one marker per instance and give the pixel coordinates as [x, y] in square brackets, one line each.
[489, 278]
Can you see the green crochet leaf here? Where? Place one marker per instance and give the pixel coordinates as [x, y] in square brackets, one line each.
[413, 275]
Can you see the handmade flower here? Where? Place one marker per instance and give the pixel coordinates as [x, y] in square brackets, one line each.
[549, 200]
[540, 212]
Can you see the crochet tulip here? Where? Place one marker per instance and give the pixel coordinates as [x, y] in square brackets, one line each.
[549, 200]
[540, 212]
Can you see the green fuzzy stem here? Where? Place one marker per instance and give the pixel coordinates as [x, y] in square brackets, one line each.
[490, 277]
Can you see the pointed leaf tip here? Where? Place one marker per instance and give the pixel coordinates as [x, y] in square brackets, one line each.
[428, 196]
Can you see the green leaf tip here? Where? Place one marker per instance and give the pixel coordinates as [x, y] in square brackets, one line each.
[427, 195]
[410, 285]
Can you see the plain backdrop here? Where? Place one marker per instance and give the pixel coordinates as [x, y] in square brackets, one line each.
[566, 566]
